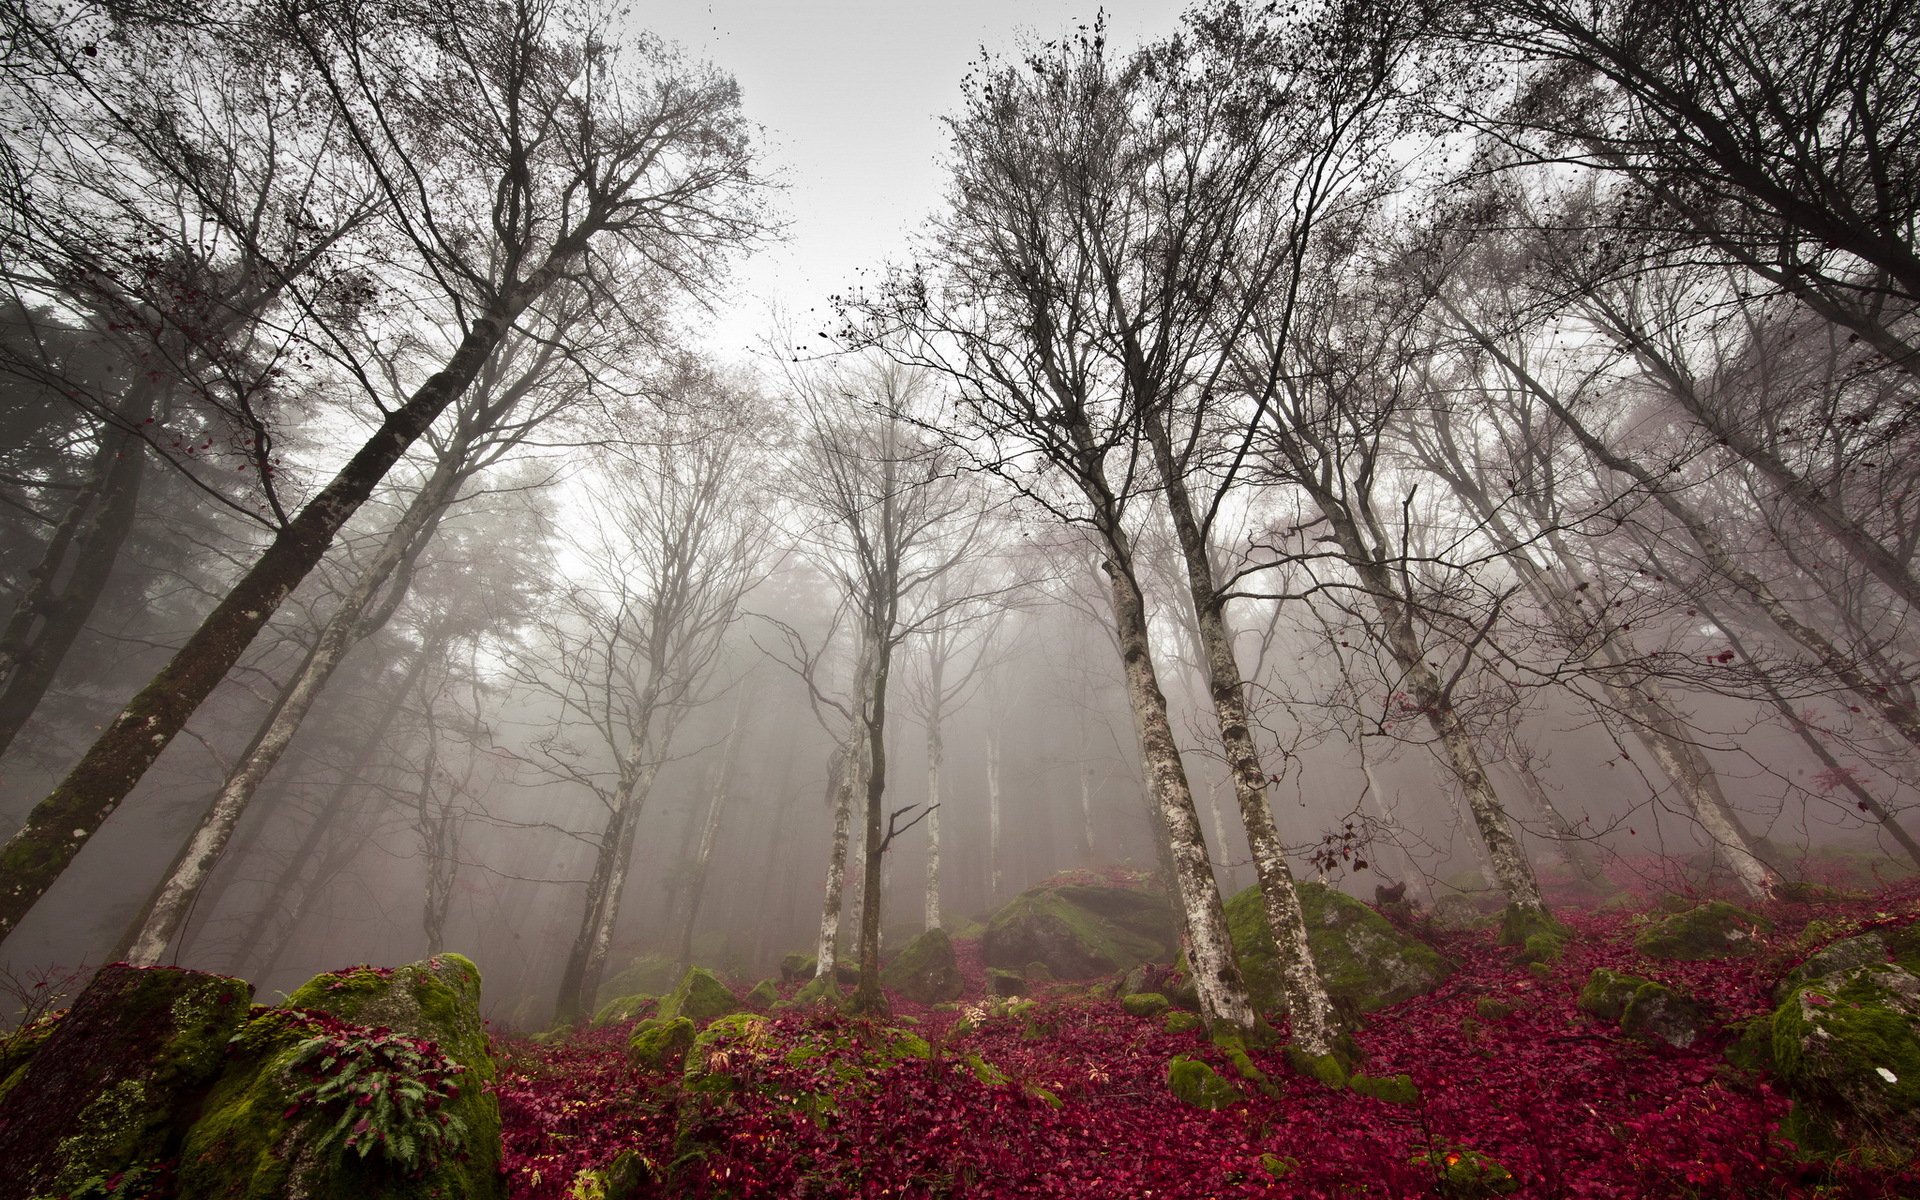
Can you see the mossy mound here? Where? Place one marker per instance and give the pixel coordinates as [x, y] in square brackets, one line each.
[1460, 1173]
[763, 996]
[1144, 1004]
[267, 1131]
[1080, 931]
[650, 975]
[1847, 1050]
[1837, 958]
[1194, 1083]
[926, 971]
[657, 1045]
[1002, 982]
[1388, 1089]
[700, 996]
[796, 967]
[1715, 929]
[1365, 962]
[107, 1090]
[822, 990]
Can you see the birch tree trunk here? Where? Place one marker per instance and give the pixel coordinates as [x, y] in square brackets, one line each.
[853, 782]
[1216, 974]
[935, 752]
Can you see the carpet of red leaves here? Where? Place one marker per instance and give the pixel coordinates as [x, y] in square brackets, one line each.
[1568, 1104]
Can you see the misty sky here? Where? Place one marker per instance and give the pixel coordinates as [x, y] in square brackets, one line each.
[851, 95]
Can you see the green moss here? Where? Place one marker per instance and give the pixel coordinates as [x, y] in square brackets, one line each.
[1144, 1004]
[1715, 929]
[700, 996]
[1365, 962]
[1194, 1083]
[1487, 1008]
[622, 1179]
[1848, 1053]
[1519, 925]
[1390, 1089]
[820, 990]
[658, 1045]
[1001, 982]
[1752, 1045]
[1657, 1012]
[649, 975]
[1180, 1022]
[715, 1050]
[1327, 1068]
[797, 966]
[984, 1072]
[1463, 1174]
[763, 996]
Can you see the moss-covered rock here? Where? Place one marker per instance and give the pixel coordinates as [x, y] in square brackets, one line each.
[797, 967]
[1329, 1069]
[1194, 1083]
[1643, 1008]
[1365, 962]
[1837, 958]
[925, 971]
[1002, 982]
[700, 996]
[1847, 1051]
[1145, 1004]
[273, 1126]
[720, 1049]
[657, 1045]
[623, 1008]
[1460, 1173]
[763, 996]
[1080, 931]
[1715, 929]
[649, 975]
[1180, 1022]
[107, 1090]
[820, 990]
[626, 1177]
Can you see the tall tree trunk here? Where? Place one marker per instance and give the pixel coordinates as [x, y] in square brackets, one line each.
[1216, 974]
[868, 998]
[852, 781]
[60, 824]
[936, 749]
[65, 586]
[719, 787]
[350, 623]
[996, 865]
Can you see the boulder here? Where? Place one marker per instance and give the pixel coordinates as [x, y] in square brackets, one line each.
[406, 1047]
[1715, 929]
[699, 997]
[1847, 1051]
[1144, 1004]
[1005, 983]
[1836, 958]
[1080, 931]
[1194, 1083]
[797, 967]
[925, 972]
[1365, 962]
[1643, 1008]
[623, 1008]
[107, 1091]
[763, 996]
[648, 975]
[657, 1045]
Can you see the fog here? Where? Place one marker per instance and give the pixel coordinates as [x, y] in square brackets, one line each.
[1513, 524]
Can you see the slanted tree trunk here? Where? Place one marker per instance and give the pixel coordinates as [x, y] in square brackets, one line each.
[1216, 974]
[60, 824]
[65, 586]
[1566, 838]
[353, 620]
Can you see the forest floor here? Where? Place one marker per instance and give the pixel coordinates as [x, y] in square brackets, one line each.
[1567, 1104]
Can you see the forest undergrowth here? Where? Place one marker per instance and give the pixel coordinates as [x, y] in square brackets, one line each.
[1068, 1097]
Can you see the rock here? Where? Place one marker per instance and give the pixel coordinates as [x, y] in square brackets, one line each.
[1194, 1083]
[1460, 1173]
[1837, 958]
[1005, 983]
[1847, 1051]
[699, 997]
[1365, 962]
[1715, 929]
[763, 996]
[623, 1008]
[107, 1091]
[925, 972]
[273, 1127]
[1463, 912]
[1079, 931]
[1643, 1008]
[797, 967]
[1180, 1022]
[1145, 1004]
[658, 1045]
[822, 990]
[1389, 1089]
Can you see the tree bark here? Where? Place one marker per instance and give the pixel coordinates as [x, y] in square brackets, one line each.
[1216, 974]
[60, 824]
[936, 749]
[852, 781]
[868, 998]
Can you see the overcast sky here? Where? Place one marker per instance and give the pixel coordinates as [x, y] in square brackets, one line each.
[851, 93]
